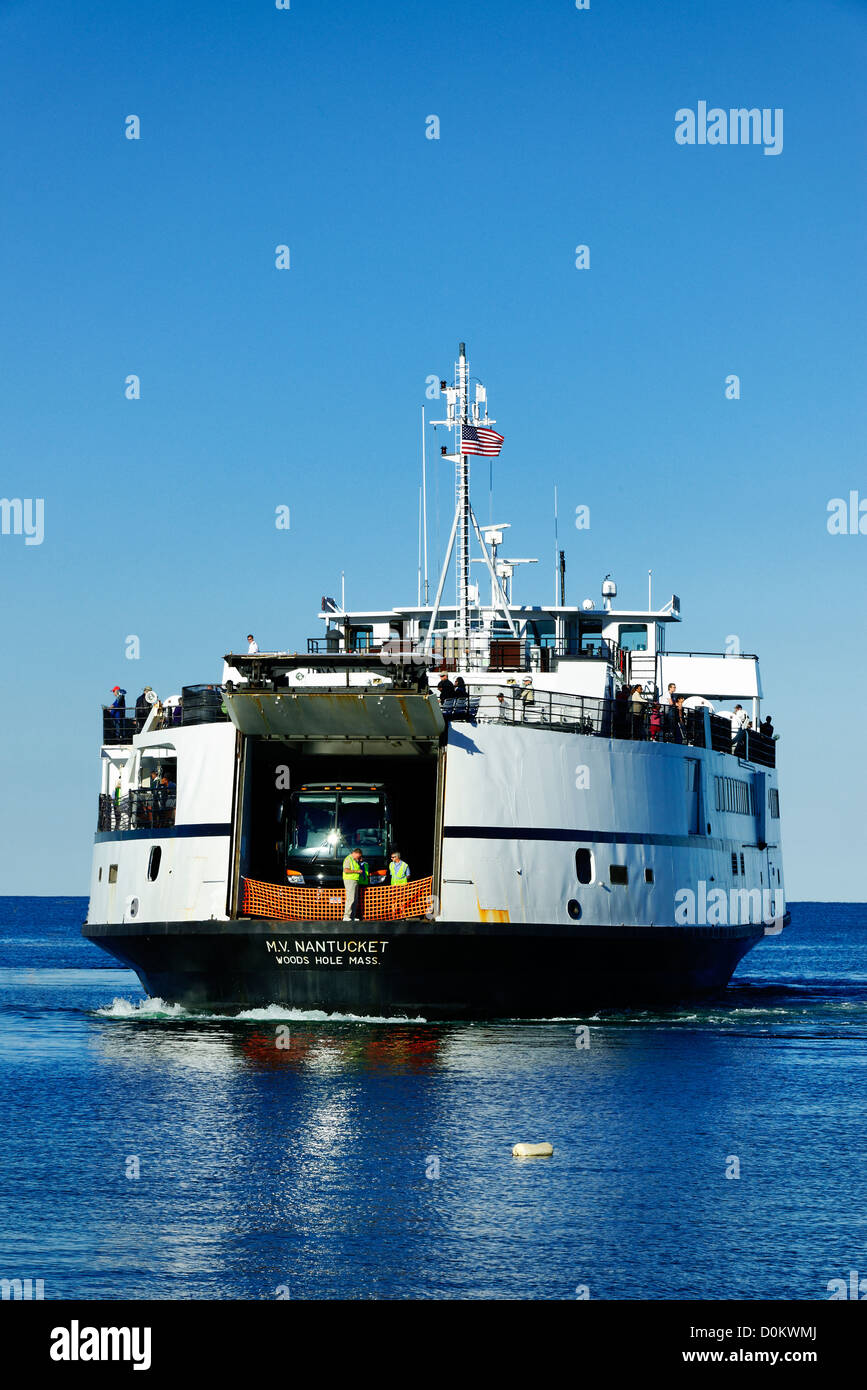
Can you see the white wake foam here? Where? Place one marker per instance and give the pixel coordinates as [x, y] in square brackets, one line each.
[149, 1010]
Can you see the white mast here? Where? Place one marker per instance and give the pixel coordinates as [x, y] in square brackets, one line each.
[418, 600]
[458, 415]
[424, 505]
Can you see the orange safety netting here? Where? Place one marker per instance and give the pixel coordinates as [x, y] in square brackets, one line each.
[388, 904]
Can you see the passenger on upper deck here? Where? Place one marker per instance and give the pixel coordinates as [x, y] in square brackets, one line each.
[766, 727]
[142, 709]
[637, 707]
[118, 712]
[655, 721]
[445, 687]
[740, 722]
[253, 648]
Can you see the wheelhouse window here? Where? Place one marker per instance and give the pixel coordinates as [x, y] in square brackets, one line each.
[633, 637]
[590, 641]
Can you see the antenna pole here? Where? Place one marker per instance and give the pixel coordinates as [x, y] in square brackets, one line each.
[424, 504]
[427, 645]
[649, 591]
[418, 599]
[556, 546]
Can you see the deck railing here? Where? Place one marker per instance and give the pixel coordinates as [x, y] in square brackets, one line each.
[139, 810]
[618, 718]
[199, 704]
[500, 652]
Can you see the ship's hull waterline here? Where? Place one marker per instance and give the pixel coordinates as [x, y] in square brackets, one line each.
[438, 971]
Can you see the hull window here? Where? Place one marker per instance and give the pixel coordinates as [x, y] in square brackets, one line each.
[156, 855]
[648, 875]
[112, 873]
[618, 873]
[584, 865]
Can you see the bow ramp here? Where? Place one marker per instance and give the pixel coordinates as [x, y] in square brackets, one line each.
[382, 716]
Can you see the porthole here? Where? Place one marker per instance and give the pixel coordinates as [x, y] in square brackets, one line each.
[573, 907]
[156, 855]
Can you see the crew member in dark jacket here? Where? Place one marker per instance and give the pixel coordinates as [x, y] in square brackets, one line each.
[445, 688]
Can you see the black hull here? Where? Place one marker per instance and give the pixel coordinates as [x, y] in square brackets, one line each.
[447, 970]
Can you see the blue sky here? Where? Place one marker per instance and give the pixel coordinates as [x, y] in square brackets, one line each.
[261, 387]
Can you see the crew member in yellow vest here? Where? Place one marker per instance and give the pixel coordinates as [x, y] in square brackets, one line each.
[398, 871]
[352, 872]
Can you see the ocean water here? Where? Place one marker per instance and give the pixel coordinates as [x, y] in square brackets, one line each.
[364, 1159]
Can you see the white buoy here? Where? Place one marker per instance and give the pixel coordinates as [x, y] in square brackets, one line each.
[532, 1151]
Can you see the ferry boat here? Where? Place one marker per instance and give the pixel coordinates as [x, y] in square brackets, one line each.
[575, 839]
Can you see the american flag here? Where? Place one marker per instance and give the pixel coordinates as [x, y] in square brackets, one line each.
[475, 440]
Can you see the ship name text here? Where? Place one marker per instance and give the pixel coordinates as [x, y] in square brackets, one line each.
[348, 952]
